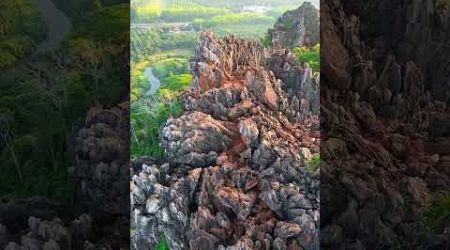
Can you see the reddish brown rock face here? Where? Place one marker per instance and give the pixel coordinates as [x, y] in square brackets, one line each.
[217, 61]
[259, 83]
[237, 177]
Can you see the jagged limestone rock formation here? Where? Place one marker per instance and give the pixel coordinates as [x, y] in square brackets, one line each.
[300, 83]
[377, 101]
[102, 159]
[47, 234]
[216, 61]
[194, 139]
[238, 175]
[102, 169]
[296, 28]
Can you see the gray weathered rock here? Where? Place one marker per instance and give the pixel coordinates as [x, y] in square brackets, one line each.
[297, 27]
[236, 177]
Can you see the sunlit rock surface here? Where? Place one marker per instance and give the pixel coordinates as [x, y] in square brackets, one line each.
[236, 177]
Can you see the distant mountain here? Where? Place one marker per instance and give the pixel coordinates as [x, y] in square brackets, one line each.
[297, 27]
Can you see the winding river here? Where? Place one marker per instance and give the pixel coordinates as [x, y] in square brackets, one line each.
[58, 28]
[155, 83]
[58, 25]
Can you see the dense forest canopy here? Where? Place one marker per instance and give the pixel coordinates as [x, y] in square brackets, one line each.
[18, 35]
[187, 10]
[45, 95]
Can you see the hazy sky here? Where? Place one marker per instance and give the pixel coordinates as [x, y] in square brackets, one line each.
[316, 3]
[256, 2]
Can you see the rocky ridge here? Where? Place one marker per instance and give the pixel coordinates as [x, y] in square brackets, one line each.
[383, 111]
[238, 174]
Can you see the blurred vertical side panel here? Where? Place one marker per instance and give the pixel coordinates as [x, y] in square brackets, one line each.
[64, 124]
[385, 124]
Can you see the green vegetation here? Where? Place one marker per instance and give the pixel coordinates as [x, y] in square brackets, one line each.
[245, 24]
[148, 42]
[174, 85]
[266, 41]
[167, 54]
[44, 100]
[149, 11]
[172, 63]
[224, 17]
[162, 244]
[150, 112]
[311, 56]
[95, 49]
[241, 18]
[34, 123]
[437, 215]
[164, 68]
[19, 35]
[313, 163]
[139, 81]
[147, 118]
[238, 3]
[185, 14]
[106, 23]
[442, 3]
[78, 10]
[172, 10]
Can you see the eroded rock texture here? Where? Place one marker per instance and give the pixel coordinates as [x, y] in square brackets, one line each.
[103, 158]
[51, 234]
[239, 173]
[297, 28]
[384, 94]
[102, 170]
[100, 216]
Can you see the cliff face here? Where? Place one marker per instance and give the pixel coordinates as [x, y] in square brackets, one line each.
[384, 91]
[296, 28]
[239, 173]
[100, 219]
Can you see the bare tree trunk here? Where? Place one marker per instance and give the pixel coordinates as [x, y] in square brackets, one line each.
[16, 162]
[52, 154]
